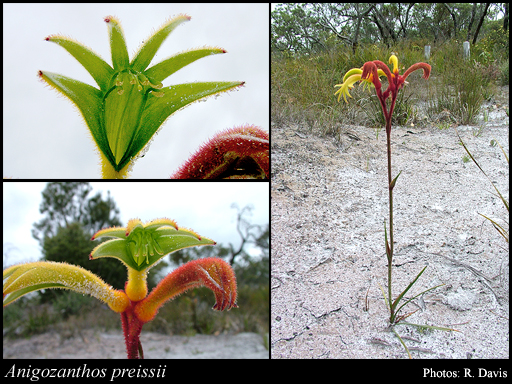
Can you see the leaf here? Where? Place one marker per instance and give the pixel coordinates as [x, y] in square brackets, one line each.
[502, 231]
[429, 327]
[505, 203]
[392, 184]
[397, 300]
[402, 342]
[388, 249]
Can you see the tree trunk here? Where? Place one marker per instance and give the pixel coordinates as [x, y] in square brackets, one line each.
[481, 22]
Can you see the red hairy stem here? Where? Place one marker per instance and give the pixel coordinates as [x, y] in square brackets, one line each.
[132, 328]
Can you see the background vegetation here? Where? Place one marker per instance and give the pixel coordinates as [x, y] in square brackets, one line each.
[314, 45]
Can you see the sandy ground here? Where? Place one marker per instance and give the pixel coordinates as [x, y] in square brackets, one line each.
[329, 202]
[92, 344]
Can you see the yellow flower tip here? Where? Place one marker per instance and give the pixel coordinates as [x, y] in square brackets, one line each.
[348, 84]
[183, 16]
[132, 224]
[108, 232]
[393, 59]
[162, 222]
[353, 71]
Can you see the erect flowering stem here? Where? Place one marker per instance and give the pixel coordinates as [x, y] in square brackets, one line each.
[370, 73]
[390, 188]
[132, 328]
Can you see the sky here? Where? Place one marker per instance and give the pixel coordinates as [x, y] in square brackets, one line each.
[202, 207]
[44, 134]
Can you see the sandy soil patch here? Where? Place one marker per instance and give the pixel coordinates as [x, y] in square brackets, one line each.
[328, 206]
[94, 344]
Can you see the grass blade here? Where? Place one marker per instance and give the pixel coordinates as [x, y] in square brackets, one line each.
[419, 294]
[397, 300]
[430, 327]
[399, 338]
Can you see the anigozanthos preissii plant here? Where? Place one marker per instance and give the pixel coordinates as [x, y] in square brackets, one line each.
[131, 104]
[139, 247]
[369, 74]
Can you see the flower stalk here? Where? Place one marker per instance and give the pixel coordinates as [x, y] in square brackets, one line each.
[370, 75]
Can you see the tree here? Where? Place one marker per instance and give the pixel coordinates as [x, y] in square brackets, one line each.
[248, 232]
[309, 27]
[295, 29]
[66, 202]
[256, 271]
[482, 18]
[505, 18]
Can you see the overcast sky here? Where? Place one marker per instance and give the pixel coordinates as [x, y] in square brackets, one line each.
[44, 135]
[202, 207]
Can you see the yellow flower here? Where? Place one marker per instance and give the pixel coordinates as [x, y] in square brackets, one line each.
[350, 78]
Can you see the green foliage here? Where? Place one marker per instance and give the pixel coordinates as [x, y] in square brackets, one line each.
[495, 42]
[460, 91]
[309, 28]
[504, 73]
[67, 202]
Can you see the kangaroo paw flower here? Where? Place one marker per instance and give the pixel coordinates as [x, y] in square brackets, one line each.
[131, 103]
[140, 246]
[213, 273]
[237, 153]
[24, 278]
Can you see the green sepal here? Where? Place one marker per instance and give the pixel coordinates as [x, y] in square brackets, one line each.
[100, 71]
[159, 109]
[148, 50]
[168, 240]
[161, 71]
[88, 100]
